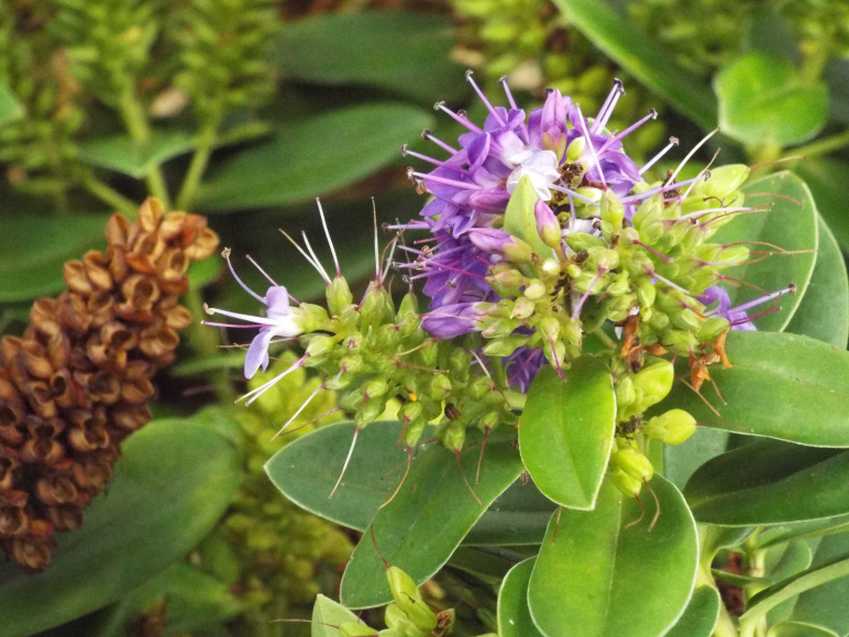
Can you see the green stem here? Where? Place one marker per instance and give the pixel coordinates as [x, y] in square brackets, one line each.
[205, 145]
[109, 195]
[136, 122]
[821, 146]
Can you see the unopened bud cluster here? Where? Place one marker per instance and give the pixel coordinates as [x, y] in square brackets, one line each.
[78, 381]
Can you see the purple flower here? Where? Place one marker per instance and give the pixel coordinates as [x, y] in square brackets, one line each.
[738, 316]
[522, 367]
[452, 320]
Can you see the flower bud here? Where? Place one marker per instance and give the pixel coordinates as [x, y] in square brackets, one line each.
[505, 279]
[549, 327]
[576, 148]
[712, 327]
[369, 412]
[547, 225]
[375, 387]
[320, 344]
[634, 463]
[311, 318]
[625, 393]
[724, 181]
[440, 387]
[627, 484]
[612, 213]
[453, 437]
[654, 382]
[376, 307]
[646, 292]
[504, 346]
[535, 290]
[414, 432]
[523, 307]
[338, 295]
[672, 427]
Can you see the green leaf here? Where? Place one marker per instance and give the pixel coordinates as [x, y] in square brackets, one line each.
[768, 599]
[791, 224]
[788, 560]
[800, 629]
[764, 100]
[202, 273]
[520, 218]
[780, 386]
[801, 530]
[566, 432]
[636, 52]
[174, 480]
[514, 618]
[701, 614]
[306, 470]
[327, 615]
[608, 572]
[827, 179]
[403, 52]
[518, 517]
[824, 310]
[681, 461]
[489, 564]
[775, 488]
[427, 520]
[194, 600]
[124, 155]
[10, 107]
[826, 604]
[313, 156]
[33, 249]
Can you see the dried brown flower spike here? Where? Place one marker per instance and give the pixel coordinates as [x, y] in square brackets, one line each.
[78, 381]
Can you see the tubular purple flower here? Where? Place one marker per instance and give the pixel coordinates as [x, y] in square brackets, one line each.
[522, 367]
[452, 320]
[738, 316]
[547, 225]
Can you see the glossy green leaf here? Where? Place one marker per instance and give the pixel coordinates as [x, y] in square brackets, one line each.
[827, 179]
[780, 386]
[313, 156]
[788, 560]
[636, 52]
[33, 249]
[701, 614]
[518, 517]
[801, 530]
[195, 601]
[306, 470]
[800, 629]
[764, 100]
[124, 155]
[403, 52]
[826, 604]
[777, 486]
[791, 224]
[768, 599]
[824, 311]
[489, 564]
[10, 107]
[681, 461]
[174, 480]
[514, 618]
[420, 528]
[566, 432]
[327, 615]
[608, 572]
[520, 218]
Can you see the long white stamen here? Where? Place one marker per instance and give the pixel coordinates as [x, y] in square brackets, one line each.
[705, 173]
[329, 240]
[673, 142]
[376, 241]
[483, 98]
[586, 134]
[225, 253]
[255, 393]
[314, 265]
[388, 261]
[651, 115]
[326, 276]
[299, 411]
[609, 106]
[347, 462]
[689, 155]
[250, 318]
[261, 271]
[506, 87]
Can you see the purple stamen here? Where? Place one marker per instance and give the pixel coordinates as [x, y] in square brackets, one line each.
[585, 132]
[662, 188]
[766, 298]
[426, 134]
[226, 254]
[483, 98]
[506, 87]
[609, 106]
[463, 121]
[651, 115]
[406, 151]
[443, 180]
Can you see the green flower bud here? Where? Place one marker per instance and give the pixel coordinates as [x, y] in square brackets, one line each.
[369, 412]
[338, 295]
[672, 427]
[712, 327]
[724, 181]
[320, 344]
[311, 318]
[625, 393]
[374, 388]
[523, 307]
[505, 280]
[440, 387]
[376, 307]
[654, 382]
[454, 437]
[414, 432]
[634, 463]
[686, 319]
[535, 290]
[505, 345]
[490, 420]
[517, 251]
[627, 484]
[612, 213]
[576, 149]
[646, 292]
[549, 327]
[411, 411]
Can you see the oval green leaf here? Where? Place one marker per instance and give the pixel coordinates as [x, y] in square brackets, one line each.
[313, 156]
[826, 604]
[33, 249]
[681, 461]
[514, 618]
[517, 518]
[608, 572]
[419, 65]
[827, 179]
[763, 99]
[824, 311]
[636, 52]
[791, 224]
[780, 386]
[777, 486]
[172, 483]
[566, 432]
[123, 154]
[701, 615]
[800, 629]
[436, 507]
[327, 615]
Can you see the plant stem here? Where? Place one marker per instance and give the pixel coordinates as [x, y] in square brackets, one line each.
[205, 144]
[136, 122]
[821, 146]
[109, 195]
